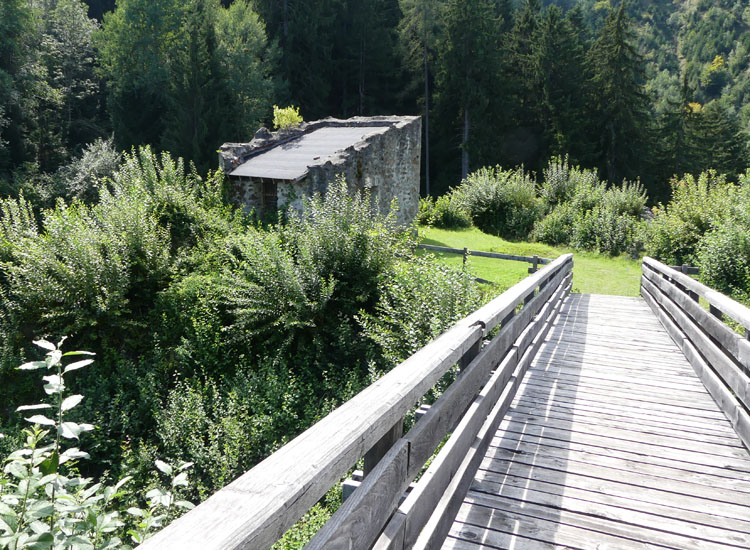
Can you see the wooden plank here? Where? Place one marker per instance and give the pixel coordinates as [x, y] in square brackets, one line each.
[626, 434]
[645, 421]
[667, 527]
[590, 490]
[656, 408]
[653, 428]
[695, 457]
[536, 446]
[692, 400]
[722, 502]
[360, 518]
[732, 375]
[625, 453]
[599, 530]
[687, 507]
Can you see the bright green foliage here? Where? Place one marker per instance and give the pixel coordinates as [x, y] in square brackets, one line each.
[286, 118]
[501, 202]
[419, 302]
[698, 205]
[442, 212]
[45, 503]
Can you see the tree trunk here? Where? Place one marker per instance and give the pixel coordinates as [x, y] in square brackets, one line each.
[465, 146]
[426, 110]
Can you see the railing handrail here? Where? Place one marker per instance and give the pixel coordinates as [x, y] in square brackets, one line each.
[719, 356]
[257, 508]
[725, 304]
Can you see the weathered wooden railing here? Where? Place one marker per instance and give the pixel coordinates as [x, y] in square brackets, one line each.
[719, 355]
[256, 509]
[535, 261]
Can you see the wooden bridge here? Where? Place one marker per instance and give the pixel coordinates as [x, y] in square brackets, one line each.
[577, 421]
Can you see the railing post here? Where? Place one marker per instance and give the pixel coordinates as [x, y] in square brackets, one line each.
[716, 312]
[373, 456]
[684, 268]
[534, 264]
[466, 253]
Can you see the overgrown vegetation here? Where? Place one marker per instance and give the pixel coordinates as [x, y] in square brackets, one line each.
[218, 340]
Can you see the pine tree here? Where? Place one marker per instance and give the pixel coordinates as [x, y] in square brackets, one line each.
[620, 104]
[559, 82]
[469, 83]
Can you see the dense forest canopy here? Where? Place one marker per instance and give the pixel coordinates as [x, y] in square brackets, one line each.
[638, 89]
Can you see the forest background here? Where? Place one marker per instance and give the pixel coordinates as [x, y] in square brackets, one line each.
[663, 90]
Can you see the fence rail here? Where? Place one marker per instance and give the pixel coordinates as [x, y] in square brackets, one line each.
[536, 261]
[257, 508]
[719, 355]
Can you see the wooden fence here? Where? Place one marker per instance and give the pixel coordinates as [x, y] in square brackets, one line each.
[719, 355]
[535, 261]
[256, 509]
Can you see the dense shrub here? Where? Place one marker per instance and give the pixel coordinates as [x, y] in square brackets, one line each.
[443, 212]
[559, 183]
[501, 202]
[605, 231]
[556, 228]
[724, 259]
[627, 199]
[697, 206]
[418, 302]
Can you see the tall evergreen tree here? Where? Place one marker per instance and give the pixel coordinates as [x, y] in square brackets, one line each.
[620, 103]
[469, 83]
[559, 81]
[198, 101]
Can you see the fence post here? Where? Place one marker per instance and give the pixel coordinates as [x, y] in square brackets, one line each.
[373, 456]
[684, 268]
[466, 253]
[534, 264]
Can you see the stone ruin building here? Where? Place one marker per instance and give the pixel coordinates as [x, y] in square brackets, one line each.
[277, 170]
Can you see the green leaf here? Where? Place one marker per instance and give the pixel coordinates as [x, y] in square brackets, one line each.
[137, 512]
[71, 353]
[55, 384]
[185, 504]
[6, 510]
[40, 419]
[44, 344]
[71, 402]
[16, 469]
[70, 430]
[33, 407]
[33, 365]
[50, 465]
[72, 454]
[78, 365]
[180, 480]
[164, 467]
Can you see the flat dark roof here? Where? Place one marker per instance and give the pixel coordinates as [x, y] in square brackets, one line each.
[290, 161]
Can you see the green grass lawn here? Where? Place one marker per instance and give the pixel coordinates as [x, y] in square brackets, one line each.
[592, 273]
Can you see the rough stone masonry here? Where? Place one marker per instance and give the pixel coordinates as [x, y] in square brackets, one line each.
[277, 170]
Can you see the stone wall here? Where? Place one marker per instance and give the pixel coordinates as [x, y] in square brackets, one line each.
[387, 164]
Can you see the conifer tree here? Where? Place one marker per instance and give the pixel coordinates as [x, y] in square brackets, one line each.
[469, 87]
[620, 105]
[559, 80]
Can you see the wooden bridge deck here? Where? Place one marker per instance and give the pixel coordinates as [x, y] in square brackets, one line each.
[611, 442]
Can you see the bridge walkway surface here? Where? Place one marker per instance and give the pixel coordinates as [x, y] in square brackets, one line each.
[612, 441]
